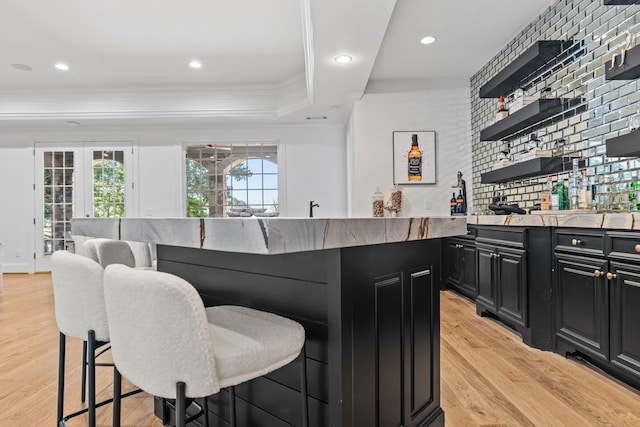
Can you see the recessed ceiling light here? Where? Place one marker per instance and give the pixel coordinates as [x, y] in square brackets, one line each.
[72, 123]
[428, 40]
[343, 59]
[61, 66]
[195, 64]
[22, 67]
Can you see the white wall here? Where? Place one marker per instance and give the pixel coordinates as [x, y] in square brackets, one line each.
[17, 209]
[373, 120]
[312, 167]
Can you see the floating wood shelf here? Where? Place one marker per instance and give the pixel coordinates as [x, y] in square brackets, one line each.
[627, 145]
[627, 71]
[524, 117]
[620, 2]
[527, 169]
[532, 59]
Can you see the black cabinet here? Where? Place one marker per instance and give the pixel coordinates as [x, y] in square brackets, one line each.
[515, 280]
[461, 266]
[625, 317]
[502, 275]
[597, 295]
[503, 283]
[582, 303]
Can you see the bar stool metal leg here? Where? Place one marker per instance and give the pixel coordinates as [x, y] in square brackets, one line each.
[84, 372]
[117, 391]
[303, 387]
[181, 410]
[91, 350]
[232, 406]
[61, 359]
[205, 408]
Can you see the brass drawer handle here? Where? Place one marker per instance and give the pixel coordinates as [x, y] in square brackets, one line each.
[611, 275]
[598, 273]
[576, 242]
[637, 248]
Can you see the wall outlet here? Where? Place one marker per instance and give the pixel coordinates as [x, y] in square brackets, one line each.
[18, 255]
[427, 205]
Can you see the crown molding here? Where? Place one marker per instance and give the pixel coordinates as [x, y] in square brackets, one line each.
[248, 101]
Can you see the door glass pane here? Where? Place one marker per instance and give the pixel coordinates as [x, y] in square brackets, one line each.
[108, 184]
[57, 199]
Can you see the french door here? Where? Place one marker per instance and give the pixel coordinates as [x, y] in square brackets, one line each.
[78, 180]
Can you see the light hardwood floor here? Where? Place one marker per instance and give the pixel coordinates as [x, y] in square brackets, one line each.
[489, 378]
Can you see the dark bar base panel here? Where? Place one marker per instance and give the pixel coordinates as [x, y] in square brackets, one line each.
[372, 320]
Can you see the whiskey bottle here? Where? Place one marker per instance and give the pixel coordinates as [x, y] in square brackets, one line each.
[415, 160]
[460, 203]
[502, 110]
[453, 204]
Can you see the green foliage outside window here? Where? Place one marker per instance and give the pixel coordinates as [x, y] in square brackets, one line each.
[108, 189]
[197, 190]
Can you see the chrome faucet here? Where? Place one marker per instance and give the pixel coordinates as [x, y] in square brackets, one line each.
[311, 206]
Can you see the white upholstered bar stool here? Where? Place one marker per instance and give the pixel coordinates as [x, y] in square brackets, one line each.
[109, 251]
[164, 341]
[80, 313]
[104, 252]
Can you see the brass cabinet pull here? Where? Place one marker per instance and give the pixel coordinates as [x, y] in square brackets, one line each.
[611, 275]
[576, 242]
[598, 273]
[637, 248]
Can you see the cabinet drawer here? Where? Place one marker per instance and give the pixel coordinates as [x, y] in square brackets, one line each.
[503, 236]
[624, 245]
[580, 241]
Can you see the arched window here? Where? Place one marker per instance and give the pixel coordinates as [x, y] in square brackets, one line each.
[232, 180]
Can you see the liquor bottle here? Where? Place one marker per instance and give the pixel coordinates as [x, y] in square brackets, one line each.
[415, 160]
[584, 193]
[460, 203]
[453, 203]
[545, 196]
[564, 197]
[574, 185]
[502, 109]
[555, 198]
[559, 198]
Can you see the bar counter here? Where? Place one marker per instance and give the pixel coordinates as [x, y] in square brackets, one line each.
[365, 289]
[578, 219]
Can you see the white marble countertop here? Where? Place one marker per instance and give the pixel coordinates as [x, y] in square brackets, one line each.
[624, 221]
[270, 235]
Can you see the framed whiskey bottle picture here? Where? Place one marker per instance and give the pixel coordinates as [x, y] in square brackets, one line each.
[414, 157]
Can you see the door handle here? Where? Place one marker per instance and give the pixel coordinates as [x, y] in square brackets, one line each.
[598, 273]
[576, 242]
[611, 275]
